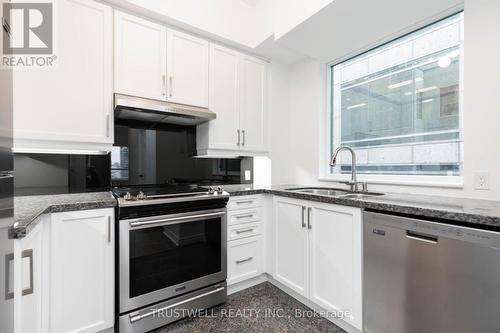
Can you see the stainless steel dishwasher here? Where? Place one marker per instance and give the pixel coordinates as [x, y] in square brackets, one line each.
[422, 276]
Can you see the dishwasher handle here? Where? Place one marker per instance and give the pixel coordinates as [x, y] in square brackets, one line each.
[421, 237]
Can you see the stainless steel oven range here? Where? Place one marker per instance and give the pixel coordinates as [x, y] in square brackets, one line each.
[171, 254]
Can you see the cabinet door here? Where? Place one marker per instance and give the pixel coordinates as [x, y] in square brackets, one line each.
[71, 102]
[140, 57]
[82, 271]
[31, 274]
[335, 259]
[224, 100]
[187, 69]
[291, 245]
[253, 104]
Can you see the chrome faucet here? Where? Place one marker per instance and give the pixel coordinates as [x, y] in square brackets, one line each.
[353, 183]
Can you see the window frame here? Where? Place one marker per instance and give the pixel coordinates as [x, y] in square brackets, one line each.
[326, 114]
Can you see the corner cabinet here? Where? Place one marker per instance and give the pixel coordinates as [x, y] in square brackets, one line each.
[318, 254]
[69, 106]
[238, 95]
[153, 61]
[65, 266]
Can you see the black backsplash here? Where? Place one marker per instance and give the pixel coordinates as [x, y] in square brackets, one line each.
[165, 155]
[60, 173]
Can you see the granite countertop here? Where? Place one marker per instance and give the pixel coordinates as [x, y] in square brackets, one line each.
[470, 212]
[28, 208]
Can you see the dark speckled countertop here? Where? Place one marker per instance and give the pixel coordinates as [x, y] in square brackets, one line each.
[28, 208]
[470, 212]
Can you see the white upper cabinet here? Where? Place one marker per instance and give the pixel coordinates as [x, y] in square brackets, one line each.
[82, 271]
[224, 101]
[238, 95]
[140, 57]
[72, 102]
[187, 69]
[253, 104]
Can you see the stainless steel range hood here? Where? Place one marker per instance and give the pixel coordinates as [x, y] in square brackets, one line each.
[156, 111]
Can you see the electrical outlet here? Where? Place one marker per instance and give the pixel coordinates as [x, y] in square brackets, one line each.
[482, 180]
[248, 175]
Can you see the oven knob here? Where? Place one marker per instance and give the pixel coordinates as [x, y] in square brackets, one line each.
[127, 196]
[219, 190]
[211, 190]
[141, 196]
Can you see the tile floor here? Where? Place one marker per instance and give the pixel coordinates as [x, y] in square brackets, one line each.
[258, 298]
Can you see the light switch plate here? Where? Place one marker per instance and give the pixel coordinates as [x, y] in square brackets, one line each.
[482, 180]
[248, 175]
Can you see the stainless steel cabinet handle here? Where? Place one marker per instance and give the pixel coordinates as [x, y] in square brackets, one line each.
[28, 254]
[180, 219]
[6, 174]
[170, 86]
[243, 142]
[244, 216]
[107, 126]
[136, 317]
[244, 260]
[244, 231]
[163, 87]
[8, 259]
[109, 229]
[309, 224]
[239, 141]
[244, 202]
[303, 217]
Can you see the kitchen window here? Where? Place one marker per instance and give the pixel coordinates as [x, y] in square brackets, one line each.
[399, 106]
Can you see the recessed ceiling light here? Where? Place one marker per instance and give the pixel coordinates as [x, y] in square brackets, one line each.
[408, 93]
[427, 100]
[426, 89]
[444, 62]
[400, 84]
[350, 107]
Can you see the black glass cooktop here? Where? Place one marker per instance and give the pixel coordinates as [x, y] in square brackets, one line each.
[152, 190]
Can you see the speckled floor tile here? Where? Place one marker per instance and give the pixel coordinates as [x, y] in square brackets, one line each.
[259, 298]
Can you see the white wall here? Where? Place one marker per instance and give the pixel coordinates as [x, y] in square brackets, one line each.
[482, 114]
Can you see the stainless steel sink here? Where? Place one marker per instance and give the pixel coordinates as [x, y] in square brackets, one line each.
[320, 191]
[361, 196]
[334, 192]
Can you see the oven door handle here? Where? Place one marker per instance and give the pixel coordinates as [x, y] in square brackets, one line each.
[172, 220]
[135, 316]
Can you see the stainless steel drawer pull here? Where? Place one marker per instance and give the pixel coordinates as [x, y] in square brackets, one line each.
[244, 202]
[309, 223]
[136, 317]
[244, 260]
[303, 218]
[239, 138]
[421, 238]
[244, 216]
[244, 231]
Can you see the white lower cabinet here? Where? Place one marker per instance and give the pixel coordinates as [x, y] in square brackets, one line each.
[64, 269]
[244, 259]
[318, 254]
[290, 245]
[82, 271]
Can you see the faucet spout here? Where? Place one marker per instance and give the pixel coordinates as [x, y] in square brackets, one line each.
[354, 182]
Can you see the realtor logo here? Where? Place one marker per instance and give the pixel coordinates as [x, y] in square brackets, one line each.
[30, 42]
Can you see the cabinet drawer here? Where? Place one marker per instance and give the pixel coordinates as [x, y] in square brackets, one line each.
[245, 230]
[244, 259]
[243, 202]
[244, 216]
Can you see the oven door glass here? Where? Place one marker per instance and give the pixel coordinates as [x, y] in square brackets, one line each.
[162, 255]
